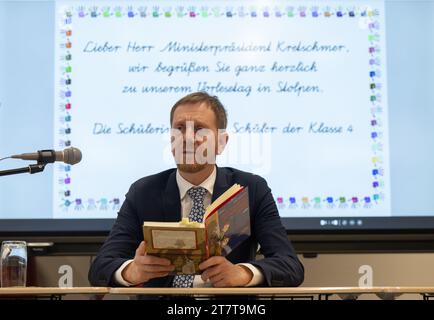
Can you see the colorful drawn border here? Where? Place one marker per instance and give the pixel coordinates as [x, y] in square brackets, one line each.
[68, 200]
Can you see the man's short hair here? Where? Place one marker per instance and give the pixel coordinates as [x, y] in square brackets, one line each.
[212, 101]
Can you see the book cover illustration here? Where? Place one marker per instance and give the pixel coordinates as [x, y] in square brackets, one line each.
[228, 225]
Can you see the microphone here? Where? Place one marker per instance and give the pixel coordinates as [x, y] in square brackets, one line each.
[69, 156]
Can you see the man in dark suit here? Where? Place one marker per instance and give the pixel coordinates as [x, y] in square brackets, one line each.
[198, 135]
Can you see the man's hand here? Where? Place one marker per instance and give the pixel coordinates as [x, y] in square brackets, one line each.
[144, 268]
[222, 273]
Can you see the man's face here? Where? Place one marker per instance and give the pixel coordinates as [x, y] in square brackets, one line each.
[195, 137]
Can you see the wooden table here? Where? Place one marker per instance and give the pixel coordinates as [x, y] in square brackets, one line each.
[53, 293]
[312, 293]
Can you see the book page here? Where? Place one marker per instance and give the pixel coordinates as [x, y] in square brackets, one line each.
[226, 195]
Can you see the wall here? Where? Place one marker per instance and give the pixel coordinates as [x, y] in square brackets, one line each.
[325, 270]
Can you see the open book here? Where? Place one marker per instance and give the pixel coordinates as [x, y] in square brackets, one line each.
[226, 224]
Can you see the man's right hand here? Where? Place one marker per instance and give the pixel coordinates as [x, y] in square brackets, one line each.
[144, 268]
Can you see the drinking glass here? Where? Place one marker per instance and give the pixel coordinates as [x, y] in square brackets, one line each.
[13, 264]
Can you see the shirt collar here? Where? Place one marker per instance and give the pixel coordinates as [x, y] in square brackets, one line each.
[184, 185]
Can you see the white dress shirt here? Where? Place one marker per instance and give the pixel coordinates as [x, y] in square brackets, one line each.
[186, 204]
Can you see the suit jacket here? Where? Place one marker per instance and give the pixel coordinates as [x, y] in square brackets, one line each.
[156, 198]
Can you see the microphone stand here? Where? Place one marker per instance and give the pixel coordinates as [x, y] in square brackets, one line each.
[33, 168]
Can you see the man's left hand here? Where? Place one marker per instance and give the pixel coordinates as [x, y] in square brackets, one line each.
[223, 273]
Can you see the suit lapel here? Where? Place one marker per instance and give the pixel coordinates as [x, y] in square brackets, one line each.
[222, 183]
[171, 200]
